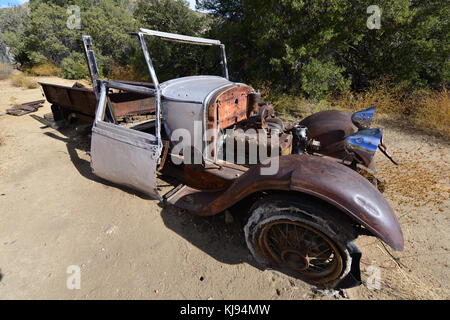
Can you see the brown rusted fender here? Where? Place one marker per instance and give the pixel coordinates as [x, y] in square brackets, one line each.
[319, 177]
[329, 126]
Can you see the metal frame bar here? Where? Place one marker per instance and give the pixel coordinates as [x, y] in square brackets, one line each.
[188, 39]
[103, 92]
[100, 113]
[92, 63]
[224, 61]
[131, 88]
[157, 90]
[181, 38]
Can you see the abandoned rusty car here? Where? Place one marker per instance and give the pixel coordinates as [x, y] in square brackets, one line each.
[300, 218]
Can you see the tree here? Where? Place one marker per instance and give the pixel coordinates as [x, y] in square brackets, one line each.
[279, 40]
[169, 58]
[46, 37]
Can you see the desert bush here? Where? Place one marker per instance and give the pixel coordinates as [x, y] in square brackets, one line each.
[173, 60]
[321, 78]
[45, 69]
[5, 71]
[23, 81]
[117, 72]
[433, 112]
[74, 67]
[425, 109]
[285, 36]
[387, 97]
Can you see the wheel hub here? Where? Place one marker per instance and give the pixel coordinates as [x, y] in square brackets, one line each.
[301, 248]
[295, 260]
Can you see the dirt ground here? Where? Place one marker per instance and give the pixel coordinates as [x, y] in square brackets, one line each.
[54, 213]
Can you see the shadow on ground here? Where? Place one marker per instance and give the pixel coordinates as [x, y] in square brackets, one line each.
[224, 242]
[74, 141]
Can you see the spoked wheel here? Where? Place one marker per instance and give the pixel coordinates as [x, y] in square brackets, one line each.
[301, 238]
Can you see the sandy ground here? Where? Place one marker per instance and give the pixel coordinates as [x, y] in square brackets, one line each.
[54, 213]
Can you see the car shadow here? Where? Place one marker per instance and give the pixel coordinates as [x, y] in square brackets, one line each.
[223, 241]
[74, 141]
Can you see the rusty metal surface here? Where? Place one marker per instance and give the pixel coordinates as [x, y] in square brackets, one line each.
[329, 126]
[317, 176]
[368, 173]
[138, 83]
[227, 106]
[302, 249]
[206, 176]
[84, 101]
[254, 99]
[25, 108]
[128, 103]
[230, 106]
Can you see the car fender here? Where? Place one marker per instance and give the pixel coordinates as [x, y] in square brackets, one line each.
[354, 195]
[329, 126]
[317, 176]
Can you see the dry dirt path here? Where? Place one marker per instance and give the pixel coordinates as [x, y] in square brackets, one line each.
[55, 213]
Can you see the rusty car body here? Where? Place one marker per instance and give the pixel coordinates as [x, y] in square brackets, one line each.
[301, 219]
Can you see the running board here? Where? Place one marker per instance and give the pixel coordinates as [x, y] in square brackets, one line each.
[190, 199]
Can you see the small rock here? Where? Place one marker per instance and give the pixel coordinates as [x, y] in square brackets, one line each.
[111, 230]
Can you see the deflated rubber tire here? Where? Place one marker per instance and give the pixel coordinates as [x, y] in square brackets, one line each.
[301, 237]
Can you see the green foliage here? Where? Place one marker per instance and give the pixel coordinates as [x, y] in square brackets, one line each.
[11, 19]
[319, 79]
[45, 35]
[314, 48]
[11, 26]
[279, 40]
[74, 67]
[172, 59]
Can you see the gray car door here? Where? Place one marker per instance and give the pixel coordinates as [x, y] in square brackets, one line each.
[122, 155]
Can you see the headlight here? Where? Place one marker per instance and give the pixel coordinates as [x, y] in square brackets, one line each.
[364, 143]
[362, 119]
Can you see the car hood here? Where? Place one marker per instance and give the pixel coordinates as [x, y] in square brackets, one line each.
[192, 89]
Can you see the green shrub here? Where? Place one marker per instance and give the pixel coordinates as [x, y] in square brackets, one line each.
[36, 58]
[320, 79]
[74, 67]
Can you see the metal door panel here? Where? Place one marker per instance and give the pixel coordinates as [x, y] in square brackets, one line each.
[121, 155]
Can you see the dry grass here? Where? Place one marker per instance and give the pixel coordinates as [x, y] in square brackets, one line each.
[23, 81]
[425, 110]
[45, 69]
[433, 112]
[124, 73]
[5, 71]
